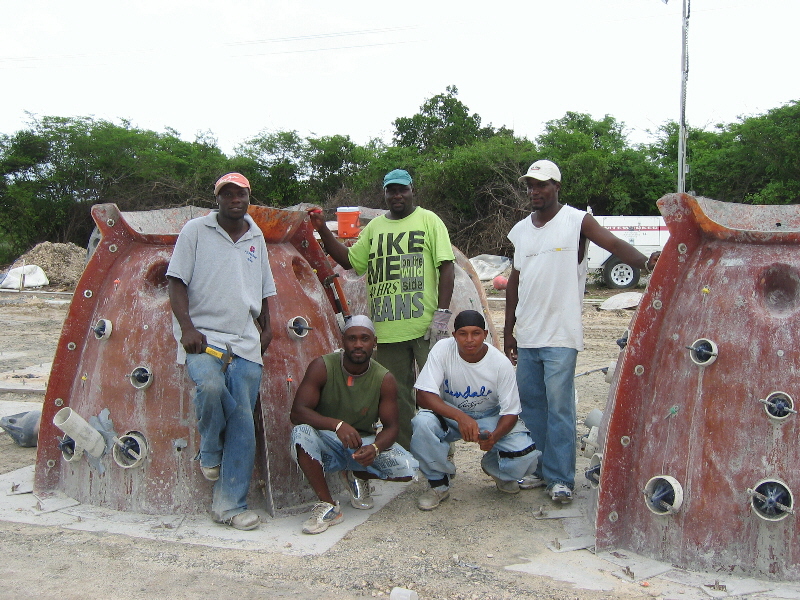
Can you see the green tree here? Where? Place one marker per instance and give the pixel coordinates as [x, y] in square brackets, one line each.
[443, 121]
[599, 168]
[56, 169]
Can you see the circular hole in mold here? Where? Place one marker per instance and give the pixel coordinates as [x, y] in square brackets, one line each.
[771, 500]
[593, 472]
[156, 275]
[102, 329]
[298, 327]
[703, 352]
[625, 440]
[780, 289]
[663, 495]
[141, 378]
[779, 406]
[131, 450]
[613, 516]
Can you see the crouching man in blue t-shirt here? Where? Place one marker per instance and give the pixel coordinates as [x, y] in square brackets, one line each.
[468, 390]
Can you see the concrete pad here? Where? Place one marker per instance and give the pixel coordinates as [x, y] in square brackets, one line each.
[31, 379]
[635, 567]
[280, 534]
[583, 570]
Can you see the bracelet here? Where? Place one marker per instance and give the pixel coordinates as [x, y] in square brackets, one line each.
[445, 310]
[647, 268]
[377, 450]
[337, 427]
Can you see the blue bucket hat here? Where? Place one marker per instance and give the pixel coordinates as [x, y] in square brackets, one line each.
[397, 176]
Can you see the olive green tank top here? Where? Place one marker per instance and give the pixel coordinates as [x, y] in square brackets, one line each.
[356, 404]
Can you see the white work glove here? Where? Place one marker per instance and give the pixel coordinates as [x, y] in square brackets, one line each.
[438, 330]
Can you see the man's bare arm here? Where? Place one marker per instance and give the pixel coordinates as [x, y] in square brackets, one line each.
[601, 236]
[191, 339]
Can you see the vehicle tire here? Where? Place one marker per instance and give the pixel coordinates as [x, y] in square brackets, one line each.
[617, 275]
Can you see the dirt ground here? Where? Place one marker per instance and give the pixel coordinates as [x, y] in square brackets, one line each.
[456, 552]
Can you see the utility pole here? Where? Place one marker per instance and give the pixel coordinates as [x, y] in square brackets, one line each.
[682, 136]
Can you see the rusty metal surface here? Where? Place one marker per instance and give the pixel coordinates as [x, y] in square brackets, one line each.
[729, 274]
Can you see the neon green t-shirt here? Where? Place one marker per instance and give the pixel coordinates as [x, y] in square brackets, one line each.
[401, 259]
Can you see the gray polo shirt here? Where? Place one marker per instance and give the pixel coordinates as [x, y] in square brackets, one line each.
[226, 282]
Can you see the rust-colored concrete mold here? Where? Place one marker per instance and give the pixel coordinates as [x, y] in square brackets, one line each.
[700, 437]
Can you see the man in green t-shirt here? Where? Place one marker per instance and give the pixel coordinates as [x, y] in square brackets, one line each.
[337, 406]
[407, 257]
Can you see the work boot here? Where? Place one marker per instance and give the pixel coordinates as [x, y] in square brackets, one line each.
[210, 473]
[509, 487]
[432, 498]
[245, 521]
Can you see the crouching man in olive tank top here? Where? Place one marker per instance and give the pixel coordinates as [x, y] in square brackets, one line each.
[342, 397]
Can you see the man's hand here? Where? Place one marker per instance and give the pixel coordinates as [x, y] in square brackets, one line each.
[486, 440]
[468, 428]
[651, 262]
[510, 348]
[316, 217]
[365, 455]
[438, 330]
[193, 341]
[349, 436]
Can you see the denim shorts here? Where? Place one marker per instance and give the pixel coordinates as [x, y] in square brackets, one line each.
[325, 447]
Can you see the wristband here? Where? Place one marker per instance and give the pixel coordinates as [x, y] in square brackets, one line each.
[647, 268]
[377, 450]
[337, 427]
[445, 310]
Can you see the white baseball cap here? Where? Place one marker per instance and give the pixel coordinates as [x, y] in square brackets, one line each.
[543, 170]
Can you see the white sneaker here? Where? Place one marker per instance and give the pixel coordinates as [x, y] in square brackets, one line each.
[561, 493]
[360, 493]
[323, 515]
[530, 482]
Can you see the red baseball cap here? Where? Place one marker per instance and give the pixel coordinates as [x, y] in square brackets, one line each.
[235, 178]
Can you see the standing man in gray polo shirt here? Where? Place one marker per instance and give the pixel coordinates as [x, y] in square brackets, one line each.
[219, 282]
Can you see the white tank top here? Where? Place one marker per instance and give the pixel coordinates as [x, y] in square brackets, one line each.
[551, 281]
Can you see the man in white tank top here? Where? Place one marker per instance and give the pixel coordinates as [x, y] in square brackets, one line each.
[543, 301]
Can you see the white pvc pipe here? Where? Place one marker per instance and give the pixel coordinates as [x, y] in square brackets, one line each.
[85, 436]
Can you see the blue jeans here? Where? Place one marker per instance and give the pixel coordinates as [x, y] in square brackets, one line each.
[224, 404]
[431, 441]
[546, 382]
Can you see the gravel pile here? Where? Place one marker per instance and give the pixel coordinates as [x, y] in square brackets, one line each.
[62, 263]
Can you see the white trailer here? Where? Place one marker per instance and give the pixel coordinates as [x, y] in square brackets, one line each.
[646, 234]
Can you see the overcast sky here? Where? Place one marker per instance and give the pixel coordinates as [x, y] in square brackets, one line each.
[352, 67]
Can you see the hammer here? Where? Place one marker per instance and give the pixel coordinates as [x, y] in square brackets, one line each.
[226, 357]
